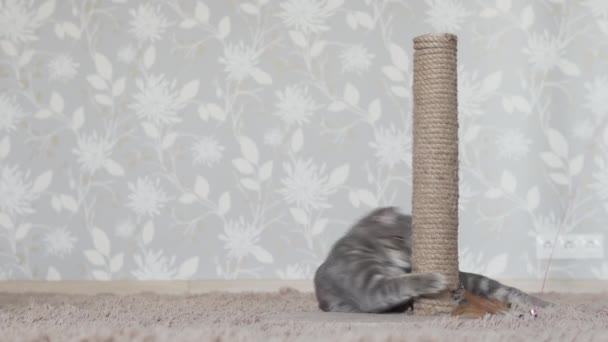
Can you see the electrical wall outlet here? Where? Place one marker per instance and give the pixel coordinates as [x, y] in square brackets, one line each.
[570, 246]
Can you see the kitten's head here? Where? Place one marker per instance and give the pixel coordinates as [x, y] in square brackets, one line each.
[388, 225]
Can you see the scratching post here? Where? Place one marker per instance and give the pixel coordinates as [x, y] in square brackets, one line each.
[435, 165]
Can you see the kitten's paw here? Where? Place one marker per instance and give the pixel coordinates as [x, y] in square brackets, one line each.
[438, 284]
[432, 283]
[458, 295]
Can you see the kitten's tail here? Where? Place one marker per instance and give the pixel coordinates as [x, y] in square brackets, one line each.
[483, 286]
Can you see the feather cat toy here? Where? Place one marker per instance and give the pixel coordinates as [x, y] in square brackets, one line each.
[477, 307]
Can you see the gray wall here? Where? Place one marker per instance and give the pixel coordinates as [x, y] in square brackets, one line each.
[229, 139]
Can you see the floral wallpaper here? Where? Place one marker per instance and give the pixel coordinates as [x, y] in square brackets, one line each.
[199, 139]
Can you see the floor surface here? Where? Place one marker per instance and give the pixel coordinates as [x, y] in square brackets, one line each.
[287, 315]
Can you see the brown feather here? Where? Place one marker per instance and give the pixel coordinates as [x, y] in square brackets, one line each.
[477, 307]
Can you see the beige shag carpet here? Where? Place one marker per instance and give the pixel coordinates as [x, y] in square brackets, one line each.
[284, 316]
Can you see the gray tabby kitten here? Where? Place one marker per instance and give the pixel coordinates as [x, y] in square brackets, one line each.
[369, 270]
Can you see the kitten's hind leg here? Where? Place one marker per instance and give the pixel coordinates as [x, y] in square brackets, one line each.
[384, 293]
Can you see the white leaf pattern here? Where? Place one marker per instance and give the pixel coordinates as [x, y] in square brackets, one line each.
[147, 233]
[224, 204]
[261, 76]
[8, 48]
[101, 241]
[551, 160]
[243, 166]
[339, 176]
[201, 187]
[224, 28]
[22, 231]
[116, 263]
[103, 66]
[375, 110]
[527, 17]
[319, 227]
[103, 132]
[100, 275]
[297, 140]
[45, 10]
[149, 56]
[113, 168]
[97, 82]
[249, 149]
[95, 257]
[5, 147]
[262, 255]
[250, 9]
[367, 197]
[69, 203]
[78, 119]
[558, 143]
[494, 193]
[491, 82]
[503, 5]
[508, 182]
[399, 57]
[393, 74]
[5, 221]
[317, 48]
[201, 12]
[189, 90]
[250, 184]
[56, 102]
[71, 30]
[298, 38]
[521, 104]
[266, 171]
[188, 268]
[42, 182]
[52, 274]
[497, 265]
[119, 87]
[351, 95]
[576, 165]
[299, 215]
[187, 198]
[533, 198]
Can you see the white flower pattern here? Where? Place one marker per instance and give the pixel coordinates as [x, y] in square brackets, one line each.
[11, 113]
[157, 100]
[151, 265]
[295, 105]
[93, 151]
[59, 242]
[308, 16]
[356, 59]
[446, 15]
[18, 21]
[63, 68]
[224, 139]
[241, 239]
[391, 146]
[16, 195]
[207, 151]
[512, 145]
[147, 198]
[148, 23]
[306, 184]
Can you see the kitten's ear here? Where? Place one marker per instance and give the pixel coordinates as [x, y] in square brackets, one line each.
[387, 215]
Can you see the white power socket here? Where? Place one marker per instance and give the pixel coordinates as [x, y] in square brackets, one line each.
[570, 246]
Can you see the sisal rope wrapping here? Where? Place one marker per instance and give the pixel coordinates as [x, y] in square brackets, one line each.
[435, 165]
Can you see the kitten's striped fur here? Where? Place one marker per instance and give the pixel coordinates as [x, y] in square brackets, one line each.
[369, 270]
